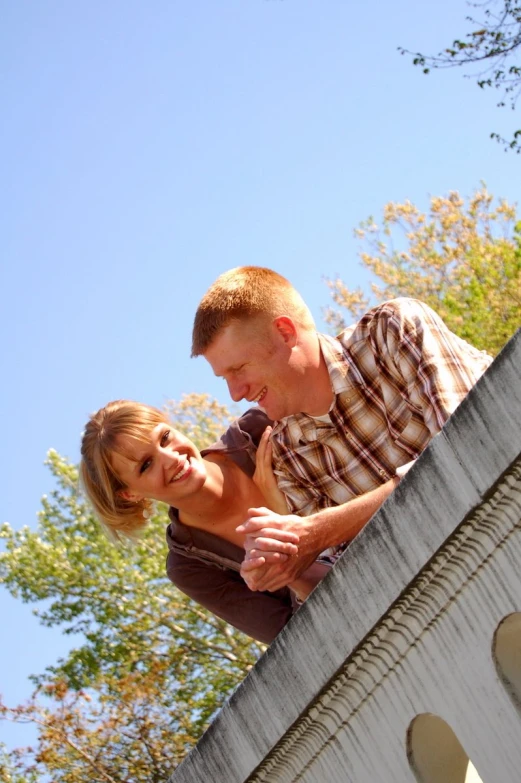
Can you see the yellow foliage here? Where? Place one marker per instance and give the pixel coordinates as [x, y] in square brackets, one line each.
[464, 260]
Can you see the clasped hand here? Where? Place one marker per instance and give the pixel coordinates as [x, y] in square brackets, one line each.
[275, 549]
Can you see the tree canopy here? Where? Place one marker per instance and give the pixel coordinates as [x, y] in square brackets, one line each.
[153, 668]
[493, 42]
[461, 258]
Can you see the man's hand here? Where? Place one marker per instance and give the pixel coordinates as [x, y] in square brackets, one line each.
[265, 532]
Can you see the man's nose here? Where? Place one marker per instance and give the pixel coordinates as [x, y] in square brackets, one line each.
[237, 390]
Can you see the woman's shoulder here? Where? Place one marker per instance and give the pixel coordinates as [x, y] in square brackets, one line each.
[252, 424]
[240, 441]
[248, 428]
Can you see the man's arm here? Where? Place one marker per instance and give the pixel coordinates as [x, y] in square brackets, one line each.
[326, 528]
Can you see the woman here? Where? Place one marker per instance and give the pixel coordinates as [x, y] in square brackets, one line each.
[131, 455]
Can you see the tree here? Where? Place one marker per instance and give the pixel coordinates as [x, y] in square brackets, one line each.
[464, 260]
[123, 729]
[153, 667]
[494, 40]
[10, 770]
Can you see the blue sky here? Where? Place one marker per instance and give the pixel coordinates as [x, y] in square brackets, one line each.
[148, 147]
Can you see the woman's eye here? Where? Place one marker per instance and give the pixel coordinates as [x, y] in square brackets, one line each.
[165, 437]
[145, 465]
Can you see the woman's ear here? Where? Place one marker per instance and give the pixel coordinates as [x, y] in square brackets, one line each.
[126, 494]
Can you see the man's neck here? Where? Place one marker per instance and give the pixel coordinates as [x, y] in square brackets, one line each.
[319, 398]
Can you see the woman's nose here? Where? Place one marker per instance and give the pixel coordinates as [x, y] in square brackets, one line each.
[170, 456]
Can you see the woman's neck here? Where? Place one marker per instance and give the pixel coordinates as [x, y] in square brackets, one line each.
[222, 503]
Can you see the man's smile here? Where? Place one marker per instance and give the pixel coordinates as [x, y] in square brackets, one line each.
[260, 396]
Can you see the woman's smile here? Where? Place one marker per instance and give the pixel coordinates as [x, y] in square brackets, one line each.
[183, 471]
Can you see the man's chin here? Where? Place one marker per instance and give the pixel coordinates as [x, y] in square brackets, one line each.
[272, 414]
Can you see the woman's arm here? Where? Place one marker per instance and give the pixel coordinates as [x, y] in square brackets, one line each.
[309, 579]
[265, 480]
[264, 477]
[223, 591]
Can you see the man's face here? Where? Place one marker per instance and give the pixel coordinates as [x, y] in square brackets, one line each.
[260, 364]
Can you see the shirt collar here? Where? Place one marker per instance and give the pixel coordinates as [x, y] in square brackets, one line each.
[339, 365]
[343, 375]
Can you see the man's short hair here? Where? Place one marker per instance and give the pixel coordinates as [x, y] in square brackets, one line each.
[243, 293]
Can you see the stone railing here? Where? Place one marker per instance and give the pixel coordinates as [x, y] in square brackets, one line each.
[406, 660]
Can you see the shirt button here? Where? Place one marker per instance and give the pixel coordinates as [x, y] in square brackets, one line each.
[383, 474]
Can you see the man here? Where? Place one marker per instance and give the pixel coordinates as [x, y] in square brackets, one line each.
[349, 412]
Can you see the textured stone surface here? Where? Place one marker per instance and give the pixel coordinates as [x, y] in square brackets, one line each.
[403, 625]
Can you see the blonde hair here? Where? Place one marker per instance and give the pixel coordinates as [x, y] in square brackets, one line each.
[120, 518]
[243, 293]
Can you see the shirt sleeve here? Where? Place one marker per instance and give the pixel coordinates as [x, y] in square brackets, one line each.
[241, 439]
[436, 368]
[260, 615]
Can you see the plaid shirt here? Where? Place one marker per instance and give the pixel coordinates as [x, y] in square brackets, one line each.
[397, 375]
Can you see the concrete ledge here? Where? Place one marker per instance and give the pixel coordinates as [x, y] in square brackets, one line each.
[455, 475]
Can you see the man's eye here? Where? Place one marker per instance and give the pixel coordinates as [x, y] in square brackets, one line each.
[165, 437]
[145, 465]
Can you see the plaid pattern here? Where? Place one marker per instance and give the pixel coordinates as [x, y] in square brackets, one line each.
[397, 376]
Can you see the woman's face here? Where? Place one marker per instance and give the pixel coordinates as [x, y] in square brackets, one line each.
[168, 468]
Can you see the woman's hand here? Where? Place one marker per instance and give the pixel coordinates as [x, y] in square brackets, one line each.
[267, 549]
[264, 477]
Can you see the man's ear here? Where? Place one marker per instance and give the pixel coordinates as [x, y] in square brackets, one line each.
[126, 494]
[286, 329]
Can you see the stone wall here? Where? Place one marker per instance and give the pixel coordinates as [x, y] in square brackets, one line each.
[406, 660]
